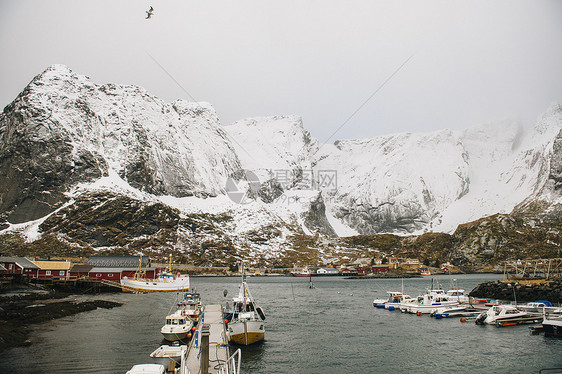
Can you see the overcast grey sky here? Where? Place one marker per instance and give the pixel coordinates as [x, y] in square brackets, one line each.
[473, 61]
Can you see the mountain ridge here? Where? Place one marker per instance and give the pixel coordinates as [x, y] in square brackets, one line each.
[66, 139]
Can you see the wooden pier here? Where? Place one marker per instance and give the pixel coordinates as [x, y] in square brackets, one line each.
[209, 351]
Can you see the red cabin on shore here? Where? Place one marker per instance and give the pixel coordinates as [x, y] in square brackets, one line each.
[19, 265]
[52, 269]
[115, 267]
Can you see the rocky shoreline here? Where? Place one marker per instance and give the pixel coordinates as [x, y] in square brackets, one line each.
[522, 290]
[20, 310]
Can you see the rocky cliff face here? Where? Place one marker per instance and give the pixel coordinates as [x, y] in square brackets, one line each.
[63, 129]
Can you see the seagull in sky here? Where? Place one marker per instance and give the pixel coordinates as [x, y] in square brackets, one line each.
[149, 13]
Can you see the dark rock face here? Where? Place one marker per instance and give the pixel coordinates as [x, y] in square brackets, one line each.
[386, 217]
[37, 163]
[315, 218]
[556, 163]
[63, 130]
[101, 220]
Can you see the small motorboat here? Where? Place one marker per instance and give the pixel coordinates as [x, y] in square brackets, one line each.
[394, 299]
[483, 304]
[178, 327]
[147, 369]
[499, 313]
[169, 355]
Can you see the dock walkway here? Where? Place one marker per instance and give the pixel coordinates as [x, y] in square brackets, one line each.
[211, 332]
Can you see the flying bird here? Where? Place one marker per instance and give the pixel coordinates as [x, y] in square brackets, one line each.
[149, 13]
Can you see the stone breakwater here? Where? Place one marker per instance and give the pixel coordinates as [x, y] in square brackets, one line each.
[524, 291]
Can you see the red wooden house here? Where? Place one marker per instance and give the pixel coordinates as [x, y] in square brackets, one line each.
[19, 265]
[53, 269]
[117, 267]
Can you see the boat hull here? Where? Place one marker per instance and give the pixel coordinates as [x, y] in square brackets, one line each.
[552, 328]
[173, 336]
[302, 274]
[174, 333]
[153, 285]
[246, 332]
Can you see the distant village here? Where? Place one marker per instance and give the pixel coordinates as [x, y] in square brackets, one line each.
[114, 268]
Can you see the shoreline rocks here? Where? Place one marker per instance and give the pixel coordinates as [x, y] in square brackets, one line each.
[525, 290]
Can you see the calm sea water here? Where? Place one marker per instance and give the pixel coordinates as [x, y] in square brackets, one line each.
[332, 328]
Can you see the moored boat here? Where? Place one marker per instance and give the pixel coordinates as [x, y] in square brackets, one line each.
[433, 299]
[394, 298]
[246, 320]
[147, 369]
[190, 306]
[164, 282]
[168, 355]
[303, 272]
[177, 327]
[537, 306]
[552, 327]
[499, 313]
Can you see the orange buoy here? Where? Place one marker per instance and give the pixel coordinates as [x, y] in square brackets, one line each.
[193, 329]
[419, 313]
[189, 335]
[463, 319]
[226, 322]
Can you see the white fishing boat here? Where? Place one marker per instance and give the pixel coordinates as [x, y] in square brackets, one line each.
[246, 321]
[164, 282]
[177, 327]
[424, 304]
[499, 313]
[394, 298]
[458, 295]
[190, 305]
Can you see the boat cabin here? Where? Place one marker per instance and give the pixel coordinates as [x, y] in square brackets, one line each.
[176, 320]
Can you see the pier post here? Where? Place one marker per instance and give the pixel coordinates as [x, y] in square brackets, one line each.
[204, 364]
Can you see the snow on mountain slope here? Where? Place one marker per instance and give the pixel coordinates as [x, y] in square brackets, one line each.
[410, 183]
[180, 143]
[271, 146]
[279, 151]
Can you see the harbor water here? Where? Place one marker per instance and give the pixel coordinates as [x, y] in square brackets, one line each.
[330, 328]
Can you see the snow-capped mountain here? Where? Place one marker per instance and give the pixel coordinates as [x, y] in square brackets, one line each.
[432, 182]
[65, 140]
[64, 129]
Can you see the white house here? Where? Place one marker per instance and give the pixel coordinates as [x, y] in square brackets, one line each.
[327, 271]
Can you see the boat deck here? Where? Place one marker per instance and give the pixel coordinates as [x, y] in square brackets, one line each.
[218, 352]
